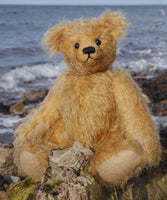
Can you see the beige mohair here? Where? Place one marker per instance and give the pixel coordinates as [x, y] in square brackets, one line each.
[90, 103]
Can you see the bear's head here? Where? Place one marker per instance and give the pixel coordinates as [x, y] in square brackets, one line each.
[87, 45]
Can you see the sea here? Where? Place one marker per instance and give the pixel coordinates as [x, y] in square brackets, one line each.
[24, 65]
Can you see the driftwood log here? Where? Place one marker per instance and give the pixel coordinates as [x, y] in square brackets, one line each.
[68, 178]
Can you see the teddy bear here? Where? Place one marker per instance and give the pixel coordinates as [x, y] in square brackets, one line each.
[92, 103]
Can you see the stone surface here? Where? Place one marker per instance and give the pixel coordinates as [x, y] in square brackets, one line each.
[68, 178]
[6, 153]
[156, 87]
[17, 108]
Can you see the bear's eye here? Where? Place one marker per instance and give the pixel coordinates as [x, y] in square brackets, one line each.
[76, 45]
[98, 42]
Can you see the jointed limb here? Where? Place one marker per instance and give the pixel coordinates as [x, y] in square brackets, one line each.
[135, 117]
[35, 126]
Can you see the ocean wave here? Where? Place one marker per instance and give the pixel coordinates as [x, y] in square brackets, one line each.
[141, 51]
[8, 121]
[21, 51]
[162, 12]
[16, 78]
[142, 65]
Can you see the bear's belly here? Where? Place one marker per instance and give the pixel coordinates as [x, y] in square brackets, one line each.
[88, 112]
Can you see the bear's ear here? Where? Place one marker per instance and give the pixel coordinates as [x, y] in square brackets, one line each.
[114, 24]
[54, 39]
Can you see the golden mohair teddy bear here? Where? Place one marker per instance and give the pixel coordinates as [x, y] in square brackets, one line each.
[99, 107]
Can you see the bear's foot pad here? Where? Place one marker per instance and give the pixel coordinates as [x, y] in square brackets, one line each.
[30, 165]
[119, 167]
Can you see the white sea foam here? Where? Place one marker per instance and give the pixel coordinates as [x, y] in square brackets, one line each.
[6, 127]
[16, 79]
[5, 130]
[141, 52]
[142, 64]
[21, 75]
[8, 121]
[162, 12]
[162, 120]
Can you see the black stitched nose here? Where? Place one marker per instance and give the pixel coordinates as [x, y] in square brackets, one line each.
[88, 50]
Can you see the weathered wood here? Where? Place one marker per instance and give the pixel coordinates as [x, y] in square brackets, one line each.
[68, 178]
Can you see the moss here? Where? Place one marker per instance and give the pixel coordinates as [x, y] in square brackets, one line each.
[113, 194]
[56, 186]
[21, 190]
[94, 191]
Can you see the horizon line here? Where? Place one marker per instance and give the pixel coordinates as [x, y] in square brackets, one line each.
[83, 4]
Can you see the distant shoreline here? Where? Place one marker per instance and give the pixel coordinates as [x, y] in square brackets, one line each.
[115, 5]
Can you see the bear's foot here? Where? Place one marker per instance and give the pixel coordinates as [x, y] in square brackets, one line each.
[119, 167]
[30, 165]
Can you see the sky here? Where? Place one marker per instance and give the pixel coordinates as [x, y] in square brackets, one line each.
[86, 2]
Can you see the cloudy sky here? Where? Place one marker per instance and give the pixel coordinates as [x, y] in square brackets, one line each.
[85, 2]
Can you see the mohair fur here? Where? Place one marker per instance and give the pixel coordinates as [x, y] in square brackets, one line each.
[102, 108]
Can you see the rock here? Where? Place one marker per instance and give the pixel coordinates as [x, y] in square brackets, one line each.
[163, 132]
[23, 100]
[3, 195]
[15, 103]
[2, 183]
[6, 180]
[6, 160]
[32, 97]
[31, 93]
[66, 177]
[6, 153]
[160, 108]
[156, 87]
[6, 168]
[74, 157]
[163, 106]
[22, 190]
[11, 179]
[37, 96]
[4, 108]
[17, 108]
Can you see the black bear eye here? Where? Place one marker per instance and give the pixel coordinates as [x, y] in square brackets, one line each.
[98, 42]
[76, 45]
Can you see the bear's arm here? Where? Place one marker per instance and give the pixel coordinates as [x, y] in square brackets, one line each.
[135, 117]
[37, 123]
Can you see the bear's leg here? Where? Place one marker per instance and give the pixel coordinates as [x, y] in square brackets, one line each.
[119, 167]
[33, 160]
[30, 165]
[117, 161]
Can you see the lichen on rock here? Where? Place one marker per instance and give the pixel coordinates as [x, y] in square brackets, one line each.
[66, 177]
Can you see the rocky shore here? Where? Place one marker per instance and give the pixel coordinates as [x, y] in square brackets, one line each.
[77, 183]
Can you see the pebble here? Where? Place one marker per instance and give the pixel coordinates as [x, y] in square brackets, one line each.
[4, 108]
[5, 154]
[3, 195]
[11, 179]
[17, 108]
